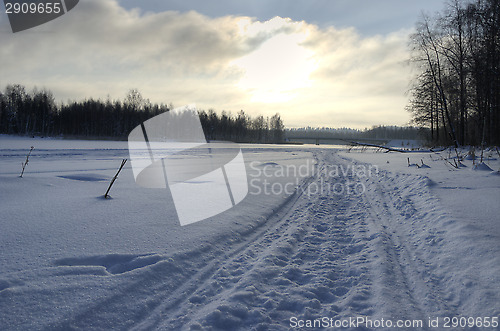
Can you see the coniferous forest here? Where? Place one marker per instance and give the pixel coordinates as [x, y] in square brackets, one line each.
[35, 112]
[456, 92]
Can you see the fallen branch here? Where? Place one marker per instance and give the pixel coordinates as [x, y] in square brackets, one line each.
[114, 178]
[388, 149]
[26, 162]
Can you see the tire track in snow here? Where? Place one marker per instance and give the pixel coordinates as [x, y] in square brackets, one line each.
[407, 281]
[311, 264]
[202, 278]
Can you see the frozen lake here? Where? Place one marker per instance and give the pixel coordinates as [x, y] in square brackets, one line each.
[321, 233]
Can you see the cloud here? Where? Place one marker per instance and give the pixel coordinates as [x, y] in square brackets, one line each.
[101, 32]
[358, 79]
[311, 75]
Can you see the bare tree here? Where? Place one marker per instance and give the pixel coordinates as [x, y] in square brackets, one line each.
[458, 51]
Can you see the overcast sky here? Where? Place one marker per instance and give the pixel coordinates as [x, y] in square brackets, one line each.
[316, 62]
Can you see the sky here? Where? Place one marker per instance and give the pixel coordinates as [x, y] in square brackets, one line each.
[320, 63]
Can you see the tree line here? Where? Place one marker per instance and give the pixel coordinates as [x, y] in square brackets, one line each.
[36, 113]
[376, 132]
[456, 92]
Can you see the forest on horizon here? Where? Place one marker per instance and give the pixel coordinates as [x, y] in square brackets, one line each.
[36, 113]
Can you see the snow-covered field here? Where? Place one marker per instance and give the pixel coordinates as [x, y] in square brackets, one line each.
[360, 236]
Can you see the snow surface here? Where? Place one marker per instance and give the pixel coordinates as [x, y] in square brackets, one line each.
[405, 144]
[404, 243]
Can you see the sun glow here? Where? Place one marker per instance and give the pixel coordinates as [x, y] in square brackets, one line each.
[279, 68]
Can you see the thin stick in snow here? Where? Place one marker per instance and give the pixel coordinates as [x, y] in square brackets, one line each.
[114, 178]
[26, 162]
